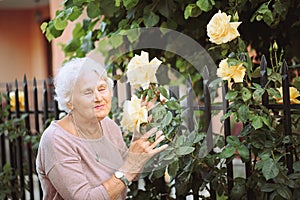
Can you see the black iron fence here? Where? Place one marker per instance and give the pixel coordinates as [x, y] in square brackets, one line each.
[39, 109]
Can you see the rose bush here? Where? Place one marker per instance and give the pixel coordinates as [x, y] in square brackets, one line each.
[261, 143]
[262, 21]
[151, 104]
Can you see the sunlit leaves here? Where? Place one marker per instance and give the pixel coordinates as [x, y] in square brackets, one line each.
[205, 5]
[263, 13]
[270, 169]
[150, 19]
[93, 9]
[228, 152]
[129, 4]
[181, 151]
[257, 122]
[192, 10]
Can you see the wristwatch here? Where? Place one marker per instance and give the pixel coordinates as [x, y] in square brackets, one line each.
[120, 175]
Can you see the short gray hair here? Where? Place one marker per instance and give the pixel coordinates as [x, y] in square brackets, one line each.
[67, 75]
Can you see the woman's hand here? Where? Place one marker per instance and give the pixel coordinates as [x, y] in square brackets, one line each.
[140, 151]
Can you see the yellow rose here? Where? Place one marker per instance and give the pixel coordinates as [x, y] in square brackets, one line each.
[220, 30]
[294, 93]
[134, 114]
[227, 72]
[12, 97]
[141, 72]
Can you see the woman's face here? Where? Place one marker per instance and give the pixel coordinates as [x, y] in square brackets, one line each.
[91, 97]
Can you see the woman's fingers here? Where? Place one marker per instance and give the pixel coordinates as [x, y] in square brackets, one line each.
[157, 141]
[149, 133]
[159, 149]
[158, 134]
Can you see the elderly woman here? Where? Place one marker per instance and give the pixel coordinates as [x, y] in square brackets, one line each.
[83, 155]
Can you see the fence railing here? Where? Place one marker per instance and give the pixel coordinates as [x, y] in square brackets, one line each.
[39, 109]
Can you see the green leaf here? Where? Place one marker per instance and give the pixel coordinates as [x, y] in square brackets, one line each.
[227, 152]
[116, 40]
[117, 3]
[270, 169]
[285, 192]
[266, 121]
[257, 122]
[268, 17]
[294, 176]
[93, 9]
[133, 34]
[180, 141]
[233, 141]
[173, 168]
[205, 5]
[276, 77]
[158, 112]
[173, 105]
[160, 172]
[60, 24]
[269, 187]
[246, 130]
[87, 43]
[72, 45]
[296, 82]
[246, 94]
[129, 4]
[296, 166]
[150, 19]
[75, 13]
[167, 119]
[215, 83]
[256, 73]
[79, 2]
[44, 26]
[225, 116]
[243, 112]
[52, 32]
[257, 94]
[191, 10]
[170, 156]
[163, 92]
[181, 151]
[231, 95]
[78, 31]
[243, 152]
[264, 13]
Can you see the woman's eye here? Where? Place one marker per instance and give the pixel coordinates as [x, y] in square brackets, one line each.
[101, 89]
[88, 92]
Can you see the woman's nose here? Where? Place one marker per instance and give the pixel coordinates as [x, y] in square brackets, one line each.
[98, 96]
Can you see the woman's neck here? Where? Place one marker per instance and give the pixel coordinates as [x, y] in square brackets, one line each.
[88, 129]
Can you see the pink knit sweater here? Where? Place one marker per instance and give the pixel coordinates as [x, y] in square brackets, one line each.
[67, 165]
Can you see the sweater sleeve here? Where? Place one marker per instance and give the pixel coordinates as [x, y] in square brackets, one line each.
[63, 167]
[70, 182]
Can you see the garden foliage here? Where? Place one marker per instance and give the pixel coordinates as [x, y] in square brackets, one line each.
[262, 141]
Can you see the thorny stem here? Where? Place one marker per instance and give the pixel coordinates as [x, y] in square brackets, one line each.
[271, 57]
[276, 61]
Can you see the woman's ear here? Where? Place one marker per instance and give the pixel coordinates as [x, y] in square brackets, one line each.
[70, 105]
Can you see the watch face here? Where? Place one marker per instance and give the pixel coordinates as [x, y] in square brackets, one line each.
[119, 174]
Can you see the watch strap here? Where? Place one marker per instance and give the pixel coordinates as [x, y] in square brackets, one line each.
[120, 175]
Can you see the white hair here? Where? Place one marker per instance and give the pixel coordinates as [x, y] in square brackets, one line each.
[67, 75]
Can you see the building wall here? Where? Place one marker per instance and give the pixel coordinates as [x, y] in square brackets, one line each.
[22, 44]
